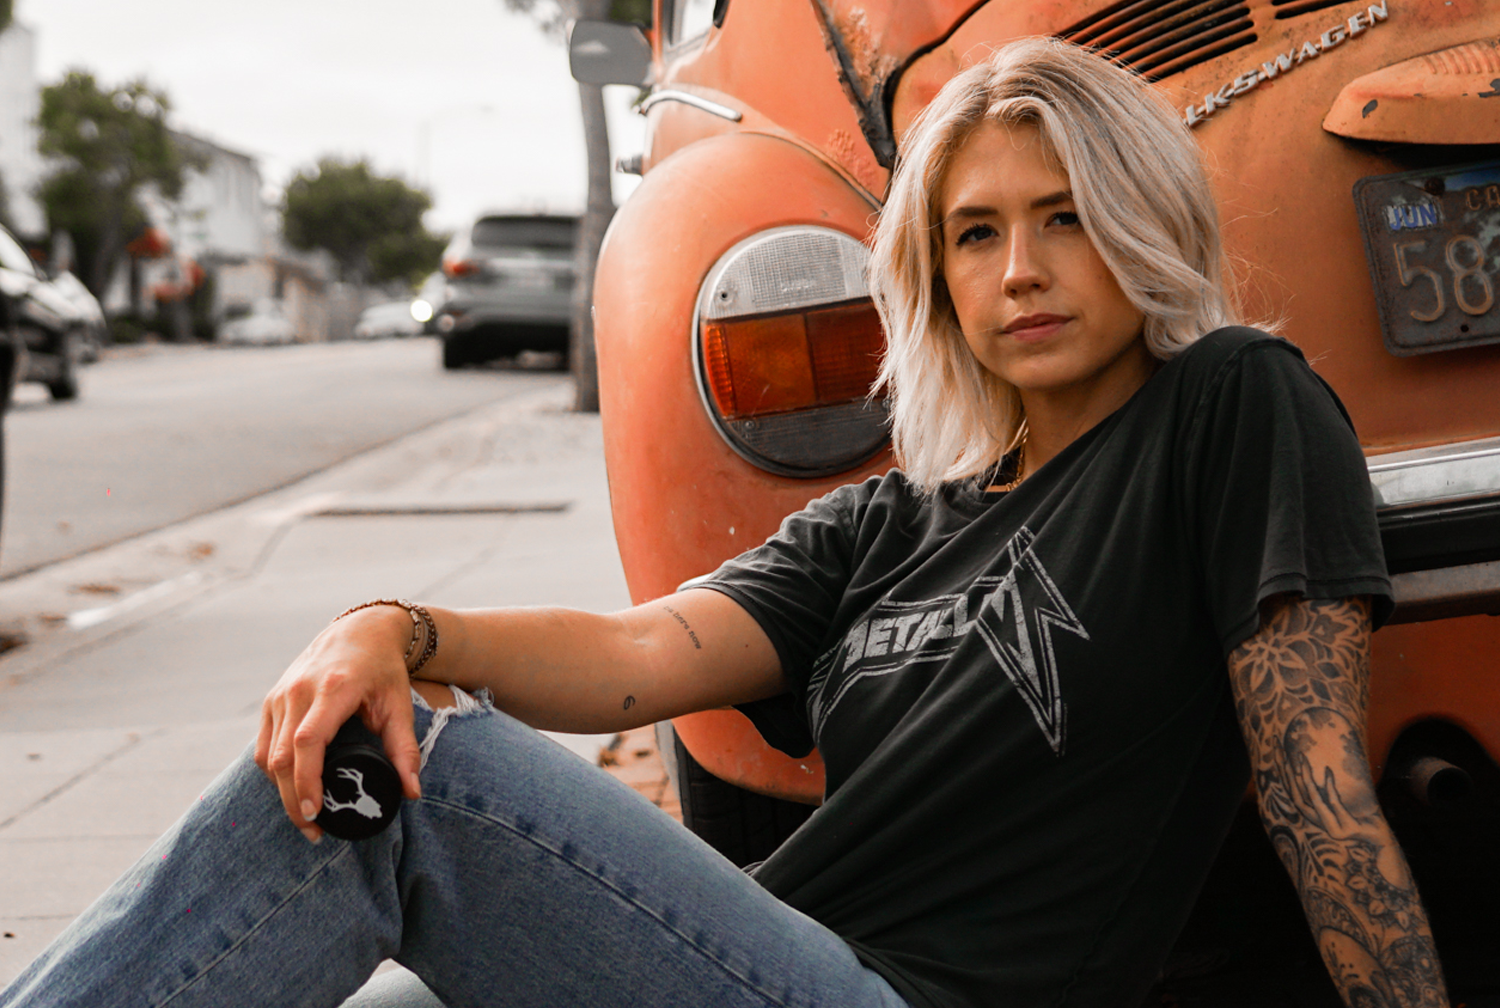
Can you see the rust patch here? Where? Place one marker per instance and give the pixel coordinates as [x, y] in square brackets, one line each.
[1470, 58]
[863, 50]
[855, 157]
[841, 145]
[863, 69]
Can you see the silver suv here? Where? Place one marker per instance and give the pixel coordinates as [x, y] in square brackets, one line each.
[510, 288]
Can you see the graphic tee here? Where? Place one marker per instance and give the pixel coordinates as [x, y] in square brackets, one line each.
[1022, 698]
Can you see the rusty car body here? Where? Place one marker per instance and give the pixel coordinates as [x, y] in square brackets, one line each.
[1355, 152]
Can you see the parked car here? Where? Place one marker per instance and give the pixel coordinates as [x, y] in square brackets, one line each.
[44, 328]
[1356, 155]
[382, 321]
[509, 287]
[260, 324]
[92, 328]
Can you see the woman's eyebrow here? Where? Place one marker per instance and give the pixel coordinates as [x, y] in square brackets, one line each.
[970, 211]
[967, 212]
[1052, 199]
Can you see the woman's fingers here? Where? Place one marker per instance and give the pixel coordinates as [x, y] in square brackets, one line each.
[263, 738]
[354, 666]
[290, 748]
[399, 737]
[309, 740]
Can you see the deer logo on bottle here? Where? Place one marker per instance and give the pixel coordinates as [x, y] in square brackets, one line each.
[365, 805]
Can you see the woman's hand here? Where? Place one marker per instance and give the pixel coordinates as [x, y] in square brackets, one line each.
[356, 665]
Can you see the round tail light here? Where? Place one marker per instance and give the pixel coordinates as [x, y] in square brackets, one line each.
[787, 345]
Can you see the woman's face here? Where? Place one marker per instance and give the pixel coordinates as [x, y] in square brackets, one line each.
[1037, 305]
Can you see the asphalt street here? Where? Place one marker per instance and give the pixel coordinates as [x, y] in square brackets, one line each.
[162, 432]
[122, 706]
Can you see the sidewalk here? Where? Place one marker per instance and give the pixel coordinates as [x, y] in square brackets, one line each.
[146, 663]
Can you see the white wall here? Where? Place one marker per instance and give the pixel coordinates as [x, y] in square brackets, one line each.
[20, 101]
[220, 211]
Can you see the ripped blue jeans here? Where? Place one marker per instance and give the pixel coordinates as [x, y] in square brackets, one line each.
[523, 877]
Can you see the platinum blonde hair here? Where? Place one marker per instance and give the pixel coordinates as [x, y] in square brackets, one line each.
[1142, 196]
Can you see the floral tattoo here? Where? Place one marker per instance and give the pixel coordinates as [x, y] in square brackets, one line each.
[1301, 688]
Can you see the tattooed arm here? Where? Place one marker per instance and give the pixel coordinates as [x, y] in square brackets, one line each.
[1301, 689]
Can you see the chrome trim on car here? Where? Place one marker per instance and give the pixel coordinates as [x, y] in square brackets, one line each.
[1469, 590]
[1450, 472]
[687, 98]
[1439, 512]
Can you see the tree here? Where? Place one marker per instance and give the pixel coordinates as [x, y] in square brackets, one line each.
[109, 144]
[599, 204]
[370, 224]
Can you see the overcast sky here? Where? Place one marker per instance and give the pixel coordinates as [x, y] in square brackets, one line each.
[459, 95]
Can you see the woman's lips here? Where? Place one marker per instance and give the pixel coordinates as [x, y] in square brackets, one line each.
[1031, 328]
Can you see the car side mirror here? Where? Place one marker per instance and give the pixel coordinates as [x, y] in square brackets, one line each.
[605, 52]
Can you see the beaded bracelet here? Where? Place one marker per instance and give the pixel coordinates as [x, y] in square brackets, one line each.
[424, 635]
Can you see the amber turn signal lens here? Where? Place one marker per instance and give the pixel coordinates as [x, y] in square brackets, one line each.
[796, 360]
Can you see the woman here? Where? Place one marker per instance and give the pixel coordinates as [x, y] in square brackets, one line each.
[1012, 656]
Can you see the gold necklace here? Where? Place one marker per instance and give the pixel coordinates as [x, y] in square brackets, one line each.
[1020, 474]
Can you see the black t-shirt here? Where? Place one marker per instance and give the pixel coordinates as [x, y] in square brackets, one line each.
[1021, 698]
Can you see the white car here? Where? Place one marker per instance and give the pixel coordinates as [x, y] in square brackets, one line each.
[261, 324]
[90, 317]
[391, 318]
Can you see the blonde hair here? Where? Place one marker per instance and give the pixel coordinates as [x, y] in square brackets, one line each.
[1143, 199]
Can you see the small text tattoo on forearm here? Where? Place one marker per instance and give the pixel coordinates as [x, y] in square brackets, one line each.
[678, 617]
[629, 702]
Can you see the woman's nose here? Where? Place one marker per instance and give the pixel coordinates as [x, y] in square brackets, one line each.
[1024, 270]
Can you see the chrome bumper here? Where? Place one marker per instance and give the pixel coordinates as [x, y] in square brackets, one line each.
[1439, 511]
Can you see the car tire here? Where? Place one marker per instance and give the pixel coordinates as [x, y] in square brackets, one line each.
[64, 386]
[455, 355]
[743, 826]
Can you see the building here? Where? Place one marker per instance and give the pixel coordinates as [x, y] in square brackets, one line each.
[221, 223]
[20, 100]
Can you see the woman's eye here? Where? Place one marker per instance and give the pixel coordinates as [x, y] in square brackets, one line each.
[973, 233]
[1064, 218]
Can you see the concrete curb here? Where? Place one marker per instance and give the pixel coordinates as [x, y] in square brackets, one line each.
[85, 601]
[125, 703]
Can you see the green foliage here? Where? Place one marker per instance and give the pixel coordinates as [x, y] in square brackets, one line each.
[7, 7]
[127, 328]
[408, 257]
[108, 143]
[370, 224]
[637, 12]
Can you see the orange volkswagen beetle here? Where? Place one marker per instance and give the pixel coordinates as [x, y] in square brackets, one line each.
[1355, 150]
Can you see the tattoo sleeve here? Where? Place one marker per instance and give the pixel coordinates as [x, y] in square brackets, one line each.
[1301, 687]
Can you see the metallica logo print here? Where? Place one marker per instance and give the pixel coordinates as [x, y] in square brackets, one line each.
[1019, 634]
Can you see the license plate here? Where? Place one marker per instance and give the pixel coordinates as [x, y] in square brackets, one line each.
[1432, 238]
